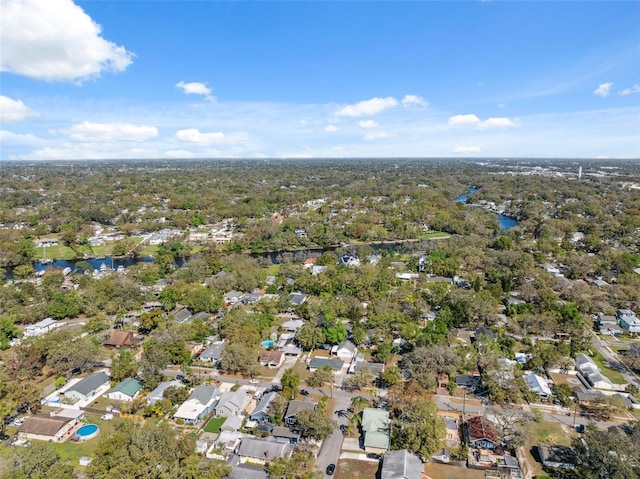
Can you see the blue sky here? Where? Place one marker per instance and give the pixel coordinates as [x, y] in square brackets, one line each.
[199, 79]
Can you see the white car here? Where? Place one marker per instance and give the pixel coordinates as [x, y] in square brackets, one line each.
[107, 417]
[19, 421]
[254, 381]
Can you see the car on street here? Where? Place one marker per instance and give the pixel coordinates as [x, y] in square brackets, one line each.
[254, 381]
[331, 468]
[304, 392]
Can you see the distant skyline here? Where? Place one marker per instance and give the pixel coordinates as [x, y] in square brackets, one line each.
[332, 79]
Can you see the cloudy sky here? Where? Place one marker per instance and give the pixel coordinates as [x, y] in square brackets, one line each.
[255, 79]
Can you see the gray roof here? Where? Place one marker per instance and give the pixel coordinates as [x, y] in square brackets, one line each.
[281, 431]
[297, 298]
[296, 406]
[232, 398]
[245, 471]
[90, 383]
[158, 393]
[182, 315]
[401, 465]
[335, 364]
[204, 393]
[348, 345]
[213, 352]
[263, 405]
[261, 449]
[233, 422]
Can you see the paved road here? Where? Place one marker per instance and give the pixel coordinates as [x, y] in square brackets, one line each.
[613, 361]
[330, 450]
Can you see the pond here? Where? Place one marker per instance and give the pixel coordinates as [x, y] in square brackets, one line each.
[506, 222]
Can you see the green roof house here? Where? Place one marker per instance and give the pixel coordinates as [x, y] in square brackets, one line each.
[375, 427]
[127, 390]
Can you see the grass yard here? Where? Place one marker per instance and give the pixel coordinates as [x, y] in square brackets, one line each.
[444, 471]
[214, 424]
[545, 432]
[354, 469]
[613, 375]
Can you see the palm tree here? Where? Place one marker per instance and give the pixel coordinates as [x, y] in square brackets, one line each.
[358, 403]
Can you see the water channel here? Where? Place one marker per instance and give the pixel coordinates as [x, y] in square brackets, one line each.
[506, 222]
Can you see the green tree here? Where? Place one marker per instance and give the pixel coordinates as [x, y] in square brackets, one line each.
[383, 353]
[314, 424]
[391, 376]
[8, 331]
[123, 365]
[320, 376]
[38, 461]
[309, 335]
[418, 427]
[238, 358]
[290, 382]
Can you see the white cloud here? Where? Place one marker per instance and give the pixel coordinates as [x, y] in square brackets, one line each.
[331, 128]
[376, 135]
[8, 137]
[489, 123]
[630, 91]
[55, 40]
[14, 110]
[470, 119]
[88, 131]
[195, 88]
[367, 124]
[496, 123]
[603, 89]
[466, 149]
[414, 100]
[368, 107]
[194, 136]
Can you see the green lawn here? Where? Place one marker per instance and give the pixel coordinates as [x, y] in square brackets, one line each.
[613, 375]
[214, 424]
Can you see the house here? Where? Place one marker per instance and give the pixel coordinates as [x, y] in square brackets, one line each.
[127, 390]
[150, 306]
[213, 354]
[318, 269]
[295, 406]
[562, 457]
[452, 437]
[375, 427]
[630, 324]
[119, 339]
[346, 350]
[42, 327]
[480, 433]
[470, 382]
[201, 316]
[182, 315]
[246, 471]
[88, 387]
[318, 363]
[285, 435]
[251, 298]
[271, 359]
[232, 423]
[49, 428]
[537, 385]
[510, 467]
[158, 393]
[375, 369]
[261, 451]
[349, 260]
[401, 465]
[232, 402]
[232, 297]
[293, 324]
[198, 405]
[261, 412]
[297, 299]
[591, 372]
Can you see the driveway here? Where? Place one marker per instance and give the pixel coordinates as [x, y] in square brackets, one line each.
[331, 446]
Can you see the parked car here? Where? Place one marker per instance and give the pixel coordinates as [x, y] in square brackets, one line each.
[4, 437]
[304, 392]
[254, 381]
[331, 468]
[107, 417]
[19, 421]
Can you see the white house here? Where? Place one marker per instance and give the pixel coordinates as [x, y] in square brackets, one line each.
[346, 350]
[199, 404]
[232, 403]
[537, 385]
[127, 390]
[42, 327]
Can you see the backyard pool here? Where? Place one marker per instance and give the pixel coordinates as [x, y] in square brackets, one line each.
[88, 431]
[267, 344]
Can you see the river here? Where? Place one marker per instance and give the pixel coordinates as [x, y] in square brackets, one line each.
[506, 222]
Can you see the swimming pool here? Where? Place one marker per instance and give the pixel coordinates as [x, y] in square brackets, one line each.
[267, 344]
[88, 431]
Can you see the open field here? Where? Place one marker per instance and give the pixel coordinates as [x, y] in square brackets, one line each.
[354, 469]
[613, 375]
[214, 424]
[444, 471]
